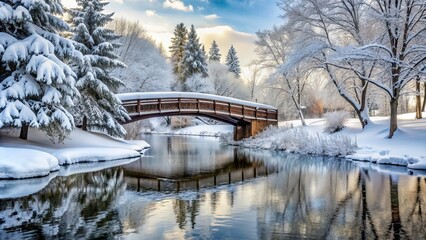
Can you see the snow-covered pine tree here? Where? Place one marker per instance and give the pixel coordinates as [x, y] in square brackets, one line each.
[177, 51]
[36, 85]
[233, 62]
[194, 61]
[98, 108]
[214, 52]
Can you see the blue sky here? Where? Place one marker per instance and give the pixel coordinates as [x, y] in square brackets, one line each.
[229, 22]
[242, 15]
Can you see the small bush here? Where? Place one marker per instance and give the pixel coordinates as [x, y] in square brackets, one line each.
[335, 121]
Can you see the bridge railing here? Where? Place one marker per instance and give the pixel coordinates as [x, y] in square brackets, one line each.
[154, 106]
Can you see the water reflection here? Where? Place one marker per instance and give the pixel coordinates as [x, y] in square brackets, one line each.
[80, 206]
[191, 169]
[270, 196]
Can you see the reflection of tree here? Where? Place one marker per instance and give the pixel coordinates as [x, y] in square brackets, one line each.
[365, 216]
[184, 209]
[214, 199]
[318, 198]
[417, 206]
[80, 205]
[289, 195]
[179, 208]
[395, 224]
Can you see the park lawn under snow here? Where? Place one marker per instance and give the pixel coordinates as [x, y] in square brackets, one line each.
[406, 148]
[38, 156]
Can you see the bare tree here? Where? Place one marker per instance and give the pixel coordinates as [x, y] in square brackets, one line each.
[273, 49]
[147, 66]
[254, 79]
[130, 33]
[399, 48]
[320, 29]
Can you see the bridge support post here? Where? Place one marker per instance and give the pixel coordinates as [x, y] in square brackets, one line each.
[251, 129]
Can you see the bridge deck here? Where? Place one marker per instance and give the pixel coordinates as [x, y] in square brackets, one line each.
[230, 110]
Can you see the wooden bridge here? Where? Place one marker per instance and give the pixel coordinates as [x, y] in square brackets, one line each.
[249, 118]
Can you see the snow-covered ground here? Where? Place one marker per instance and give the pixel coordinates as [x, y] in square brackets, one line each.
[38, 156]
[406, 148]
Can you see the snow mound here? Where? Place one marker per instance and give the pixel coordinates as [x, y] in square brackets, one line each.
[383, 157]
[93, 154]
[20, 163]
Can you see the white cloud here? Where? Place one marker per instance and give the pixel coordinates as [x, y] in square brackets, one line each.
[150, 13]
[178, 5]
[211, 17]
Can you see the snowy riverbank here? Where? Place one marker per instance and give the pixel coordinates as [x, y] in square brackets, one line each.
[406, 148]
[38, 156]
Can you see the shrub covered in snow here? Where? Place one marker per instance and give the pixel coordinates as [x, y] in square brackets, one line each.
[297, 140]
[335, 121]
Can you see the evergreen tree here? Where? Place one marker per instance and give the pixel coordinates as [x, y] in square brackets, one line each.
[214, 52]
[233, 62]
[98, 107]
[177, 50]
[36, 85]
[194, 59]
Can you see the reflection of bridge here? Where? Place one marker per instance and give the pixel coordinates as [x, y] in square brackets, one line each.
[141, 182]
[239, 168]
[249, 118]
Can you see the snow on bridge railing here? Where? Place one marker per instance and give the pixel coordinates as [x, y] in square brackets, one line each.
[164, 95]
[232, 110]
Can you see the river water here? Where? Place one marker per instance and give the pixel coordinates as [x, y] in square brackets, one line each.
[194, 188]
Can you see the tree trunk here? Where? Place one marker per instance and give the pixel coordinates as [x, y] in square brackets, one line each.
[418, 101]
[302, 118]
[168, 121]
[393, 116]
[424, 97]
[361, 118]
[84, 126]
[299, 110]
[24, 132]
[362, 103]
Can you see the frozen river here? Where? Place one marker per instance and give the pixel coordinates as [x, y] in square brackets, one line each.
[194, 188]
